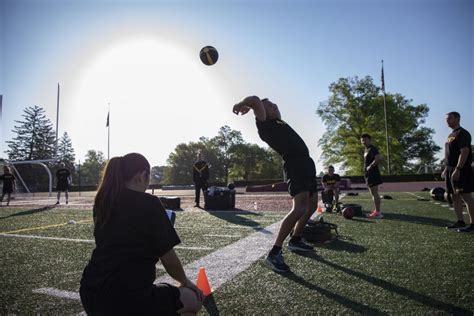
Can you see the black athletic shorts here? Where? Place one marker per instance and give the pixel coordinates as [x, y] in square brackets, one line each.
[159, 299]
[62, 186]
[465, 184]
[373, 177]
[300, 175]
[7, 189]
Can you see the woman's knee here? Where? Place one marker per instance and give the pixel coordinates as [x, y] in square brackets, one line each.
[190, 301]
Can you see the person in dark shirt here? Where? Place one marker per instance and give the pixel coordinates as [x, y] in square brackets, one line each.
[458, 171]
[8, 184]
[63, 179]
[200, 177]
[300, 173]
[132, 233]
[372, 175]
[331, 182]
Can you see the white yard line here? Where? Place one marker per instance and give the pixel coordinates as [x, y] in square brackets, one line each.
[221, 265]
[89, 241]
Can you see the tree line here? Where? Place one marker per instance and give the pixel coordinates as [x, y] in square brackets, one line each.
[354, 107]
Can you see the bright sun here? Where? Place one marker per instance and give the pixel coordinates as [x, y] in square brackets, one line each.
[155, 89]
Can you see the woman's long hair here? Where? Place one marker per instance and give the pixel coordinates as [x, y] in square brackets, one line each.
[117, 172]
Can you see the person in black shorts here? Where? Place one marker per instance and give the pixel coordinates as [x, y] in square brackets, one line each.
[372, 175]
[300, 173]
[132, 233]
[8, 184]
[458, 171]
[63, 178]
[200, 177]
[330, 183]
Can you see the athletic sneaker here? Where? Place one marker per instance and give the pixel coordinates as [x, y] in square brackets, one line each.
[468, 229]
[299, 246]
[277, 263]
[375, 214]
[458, 224]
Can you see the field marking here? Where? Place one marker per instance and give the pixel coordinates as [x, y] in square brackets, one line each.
[89, 240]
[43, 227]
[58, 293]
[221, 265]
[223, 236]
[225, 263]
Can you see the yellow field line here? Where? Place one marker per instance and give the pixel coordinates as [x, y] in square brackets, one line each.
[43, 227]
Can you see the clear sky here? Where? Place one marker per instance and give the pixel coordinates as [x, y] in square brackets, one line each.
[141, 57]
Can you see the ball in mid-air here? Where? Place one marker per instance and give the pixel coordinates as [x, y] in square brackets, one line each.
[348, 213]
[209, 55]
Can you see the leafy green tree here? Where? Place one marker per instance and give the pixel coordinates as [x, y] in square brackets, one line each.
[355, 107]
[35, 136]
[92, 167]
[224, 144]
[252, 162]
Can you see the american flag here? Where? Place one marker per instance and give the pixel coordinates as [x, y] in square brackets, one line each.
[108, 114]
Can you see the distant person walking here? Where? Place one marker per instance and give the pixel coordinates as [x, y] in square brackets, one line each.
[372, 175]
[300, 172]
[458, 171]
[63, 180]
[8, 184]
[200, 177]
[132, 233]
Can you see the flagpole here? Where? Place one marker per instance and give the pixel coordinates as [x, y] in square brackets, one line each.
[386, 125]
[57, 125]
[108, 134]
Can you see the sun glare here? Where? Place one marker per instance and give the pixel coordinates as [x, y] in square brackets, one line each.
[155, 88]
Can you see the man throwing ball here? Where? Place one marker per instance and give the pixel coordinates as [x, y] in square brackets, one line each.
[299, 169]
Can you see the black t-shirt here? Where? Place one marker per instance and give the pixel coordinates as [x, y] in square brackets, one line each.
[283, 139]
[8, 179]
[458, 139]
[331, 180]
[129, 245]
[62, 175]
[200, 171]
[369, 156]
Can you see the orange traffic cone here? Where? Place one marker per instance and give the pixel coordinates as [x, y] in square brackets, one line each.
[320, 209]
[202, 283]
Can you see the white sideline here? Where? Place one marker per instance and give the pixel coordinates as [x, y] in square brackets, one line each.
[221, 265]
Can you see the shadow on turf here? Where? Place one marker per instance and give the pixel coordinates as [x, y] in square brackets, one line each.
[409, 294]
[343, 245]
[417, 219]
[234, 217]
[210, 306]
[353, 305]
[32, 211]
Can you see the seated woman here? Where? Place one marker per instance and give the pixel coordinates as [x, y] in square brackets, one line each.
[132, 232]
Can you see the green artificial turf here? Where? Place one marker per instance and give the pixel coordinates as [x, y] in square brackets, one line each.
[406, 263]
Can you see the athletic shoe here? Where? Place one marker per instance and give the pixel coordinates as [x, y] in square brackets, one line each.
[299, 246]
[468, 229]
[375, 214]
[277, 263]
[458, 224]
[57, 202]
[67, 202]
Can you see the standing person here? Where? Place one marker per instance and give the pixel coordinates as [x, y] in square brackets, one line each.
[200, 177]
[372, 175]
[8, 184]
[330, 183]
[300, 173]
[63, 179]
[458, 171]
[132, 232]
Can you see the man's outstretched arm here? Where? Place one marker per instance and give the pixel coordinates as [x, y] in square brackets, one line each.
[251, 102]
